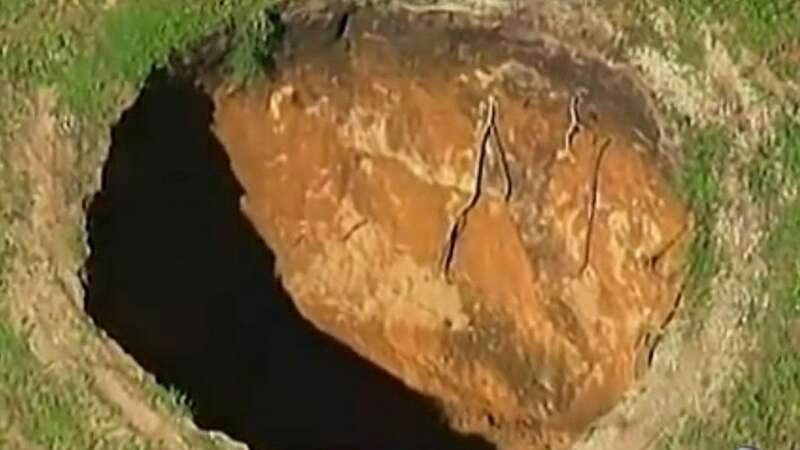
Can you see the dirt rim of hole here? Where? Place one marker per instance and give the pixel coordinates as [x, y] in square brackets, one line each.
[57, 326]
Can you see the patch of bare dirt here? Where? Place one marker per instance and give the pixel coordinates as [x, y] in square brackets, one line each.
[529, 307]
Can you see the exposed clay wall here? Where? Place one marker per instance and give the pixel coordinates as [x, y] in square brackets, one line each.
[358, 155]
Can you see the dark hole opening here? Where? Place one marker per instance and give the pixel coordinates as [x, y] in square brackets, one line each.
[178, 276]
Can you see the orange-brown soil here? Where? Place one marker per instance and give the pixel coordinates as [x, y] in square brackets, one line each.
[357, 155]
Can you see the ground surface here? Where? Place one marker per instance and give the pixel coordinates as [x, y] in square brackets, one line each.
[724, 76]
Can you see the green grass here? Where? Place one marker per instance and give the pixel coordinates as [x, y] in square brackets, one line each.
[13, 10]
[46, 416]
[777, 163]
[763, 407]
[91, 55]
[143, 34]
[699, 183]
[757, 24]
[782, 246]
[255, 41]
[640, 28]
[37, 409]
[760, 26]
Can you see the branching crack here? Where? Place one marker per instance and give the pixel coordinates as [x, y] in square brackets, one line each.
[575, 123]
[459, 220]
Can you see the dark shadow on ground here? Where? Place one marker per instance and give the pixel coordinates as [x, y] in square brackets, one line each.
[181, 280]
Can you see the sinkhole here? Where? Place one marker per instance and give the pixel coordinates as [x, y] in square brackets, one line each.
[472, 224]
[180, 279]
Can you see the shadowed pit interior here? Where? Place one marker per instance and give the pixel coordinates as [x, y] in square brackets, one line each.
[179, 278]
